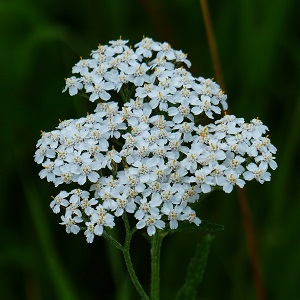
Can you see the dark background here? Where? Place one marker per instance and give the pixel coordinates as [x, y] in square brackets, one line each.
[259, 48]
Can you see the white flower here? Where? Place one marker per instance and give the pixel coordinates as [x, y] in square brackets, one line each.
[173, 213]
[73, 84]
[180, 112]
[203, 179]
[99, 72]
[178, 178]
[211, 155]
[140, 117]
[139, 75]
[151, 221]
[153, 150]
[106, 196]
[148, 90]
[129, 57]
[186, 129]
[190, 215]
[48, 171]
[88, 81]
[238, 144]
[89, 232]
[101, 218]
[145, 208]
[77, 195]
[130, 140]
[124, 205]
[208, 106]
[166, 83]
[146, 46]
[43, 152]
[115, 124]
[71, 222]
[170, 194]
[83, 66]
[131, 180]
[257, 172]
[191, 195]
[119, 45]
[182, 57]
[58, 201]
[74, 209]
[146, 169]
[267, 159]
[87, 171]
[112, 156]
[231, 179]
[217, 171]
[99, 90]
[64, 175]
[267, 146]
[191, 97]
[162, 63]
[118, 79]
[87, 205]
[166, 51]
[234, 162]
[259, 128]
[192, 155]
[159, 98]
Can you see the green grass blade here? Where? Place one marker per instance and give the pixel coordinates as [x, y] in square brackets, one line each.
[196, 270]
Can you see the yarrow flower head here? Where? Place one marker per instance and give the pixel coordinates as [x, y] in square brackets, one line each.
[157, 141]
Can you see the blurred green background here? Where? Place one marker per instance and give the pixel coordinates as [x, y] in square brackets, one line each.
[259, 49]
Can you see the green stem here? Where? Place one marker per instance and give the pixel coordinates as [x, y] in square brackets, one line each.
[113, 241]
[126, 93]
[82, 94]
[129, 265]
[156, 242]
[124, 98]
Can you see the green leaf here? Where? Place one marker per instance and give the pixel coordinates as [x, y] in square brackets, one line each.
[195, 270]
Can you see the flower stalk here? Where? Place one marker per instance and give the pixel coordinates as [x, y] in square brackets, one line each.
[156, 241]
[128, 261]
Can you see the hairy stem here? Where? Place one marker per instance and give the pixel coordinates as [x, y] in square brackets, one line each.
[156, 242]
[127, 257]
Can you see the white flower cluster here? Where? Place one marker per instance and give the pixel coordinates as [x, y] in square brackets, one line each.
[149, 153]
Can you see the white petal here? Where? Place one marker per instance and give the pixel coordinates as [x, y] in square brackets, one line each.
[140, 224]
[227, 188]
[178, 118]
[82, 179]
[73, 90]
[248, 175]
[98, 229]
[240, 183]
[273, 164]
[172, 111]
[104, 95]
[75, 229]
[90, 237]
[160, 224]
[173, 224]
[94, 97]
[139, 215]
[197, 110]
[93, 177]
[205, 188]
[151, 230]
